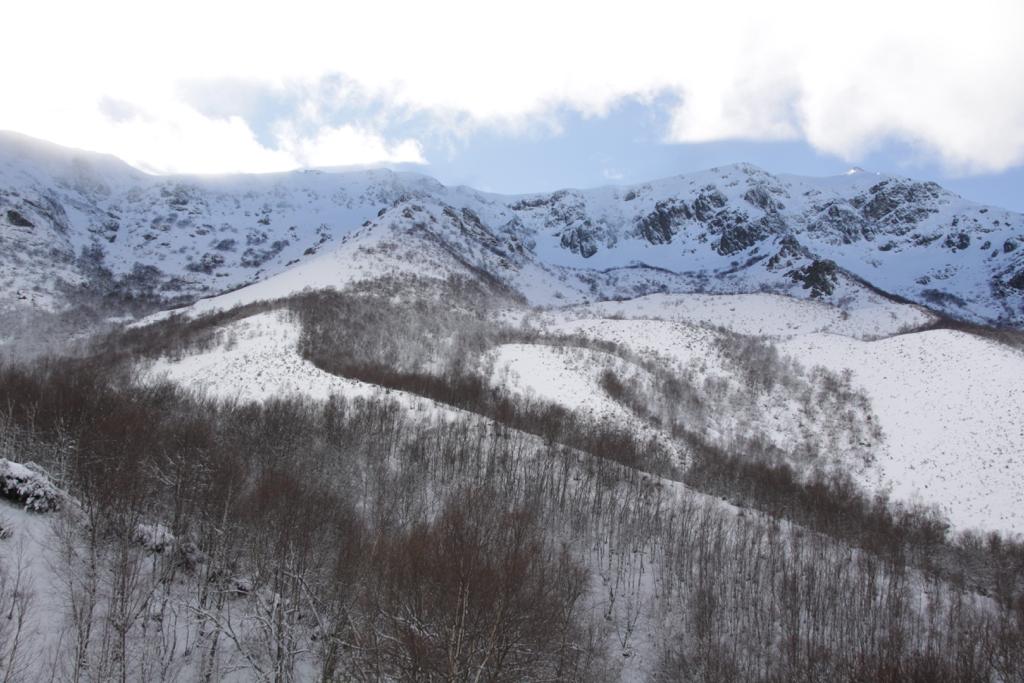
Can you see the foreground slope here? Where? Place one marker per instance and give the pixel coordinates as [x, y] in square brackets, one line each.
[242, 527]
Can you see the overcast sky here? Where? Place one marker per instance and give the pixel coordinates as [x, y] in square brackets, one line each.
[522, 96]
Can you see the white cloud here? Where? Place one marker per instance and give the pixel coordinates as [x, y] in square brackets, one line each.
[843, 76]
[354, 145]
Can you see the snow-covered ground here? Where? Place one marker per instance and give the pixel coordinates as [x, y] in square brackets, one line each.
[571, 377]
[949, 403]
[951, 407]
[679, 342]
[31, 549]
[770, 315]
[733, 413]
[258, 359]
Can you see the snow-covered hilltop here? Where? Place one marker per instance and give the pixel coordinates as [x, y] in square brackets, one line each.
[73, 221]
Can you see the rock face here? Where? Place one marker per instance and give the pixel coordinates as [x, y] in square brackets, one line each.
[73, 222]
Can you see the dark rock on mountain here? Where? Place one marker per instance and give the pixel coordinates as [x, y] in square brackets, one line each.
[819, 277]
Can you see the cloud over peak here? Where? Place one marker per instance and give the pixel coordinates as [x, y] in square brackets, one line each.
[111, 75]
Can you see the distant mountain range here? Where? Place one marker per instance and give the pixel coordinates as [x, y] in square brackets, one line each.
[75, 223]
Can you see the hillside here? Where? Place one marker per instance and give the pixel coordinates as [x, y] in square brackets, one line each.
[326, 482]
[945, 402]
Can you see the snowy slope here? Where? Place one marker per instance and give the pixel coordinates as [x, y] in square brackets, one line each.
[950, 406]
[729, 412]
[177, 237]
[409, 239]
[739, 228]
[257, 358]
[570, 377]
[948, 403]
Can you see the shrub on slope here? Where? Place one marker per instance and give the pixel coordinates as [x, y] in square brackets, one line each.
[27, 485]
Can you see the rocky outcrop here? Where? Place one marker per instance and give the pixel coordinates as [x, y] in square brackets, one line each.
[660, 225]
[819, 277]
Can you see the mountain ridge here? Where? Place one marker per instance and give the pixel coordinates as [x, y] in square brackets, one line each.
[75, 222]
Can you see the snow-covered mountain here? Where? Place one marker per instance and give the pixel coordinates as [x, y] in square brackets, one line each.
[733, 387]
[73, 221]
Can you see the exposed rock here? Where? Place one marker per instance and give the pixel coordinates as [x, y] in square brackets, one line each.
[958, 241]
[898, 204]
[17, 220]
[818, 276]
[736, 233]
[1017, 281]
[760, 197]
[708, 202]
[789, 250]
[659, 226]
[253, 258]
[580, 241]
[839, 219]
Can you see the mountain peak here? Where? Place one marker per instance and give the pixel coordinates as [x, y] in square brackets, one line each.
[739, 168]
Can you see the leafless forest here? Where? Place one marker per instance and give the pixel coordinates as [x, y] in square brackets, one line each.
[506, 540]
